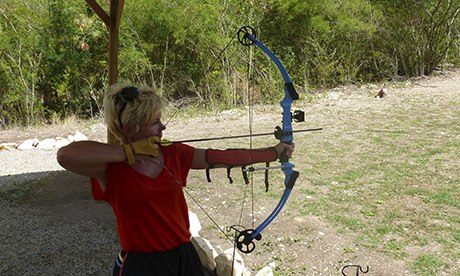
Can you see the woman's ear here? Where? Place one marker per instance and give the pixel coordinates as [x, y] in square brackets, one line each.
[127, 133]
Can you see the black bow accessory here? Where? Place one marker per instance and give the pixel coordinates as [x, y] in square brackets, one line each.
[126, 95]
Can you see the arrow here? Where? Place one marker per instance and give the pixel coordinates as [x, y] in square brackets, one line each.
[166, 142]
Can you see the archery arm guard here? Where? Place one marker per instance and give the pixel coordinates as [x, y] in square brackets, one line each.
[239, 157]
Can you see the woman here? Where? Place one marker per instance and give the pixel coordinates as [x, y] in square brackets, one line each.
[142, 180]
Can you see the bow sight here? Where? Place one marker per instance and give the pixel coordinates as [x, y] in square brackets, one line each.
[299, 116]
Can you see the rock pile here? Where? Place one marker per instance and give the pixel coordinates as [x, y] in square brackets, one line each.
[46, 144]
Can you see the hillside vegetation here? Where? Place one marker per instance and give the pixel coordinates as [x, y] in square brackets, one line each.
[53, 54]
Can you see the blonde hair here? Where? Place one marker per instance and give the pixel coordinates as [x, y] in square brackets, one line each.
[145, 108]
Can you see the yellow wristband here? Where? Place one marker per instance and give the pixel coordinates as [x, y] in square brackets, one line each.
[129, 154]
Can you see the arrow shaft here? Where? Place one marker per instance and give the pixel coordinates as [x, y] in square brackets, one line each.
[237, 136]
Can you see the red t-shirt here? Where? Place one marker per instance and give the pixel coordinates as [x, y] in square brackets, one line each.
[152, 214]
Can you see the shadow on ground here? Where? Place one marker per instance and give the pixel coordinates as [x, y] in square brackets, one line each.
[52, 226]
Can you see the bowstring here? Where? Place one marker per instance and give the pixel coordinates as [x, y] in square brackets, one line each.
[250, 126]
[251, 120]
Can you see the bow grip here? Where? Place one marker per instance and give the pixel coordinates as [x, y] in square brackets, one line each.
[283, 155]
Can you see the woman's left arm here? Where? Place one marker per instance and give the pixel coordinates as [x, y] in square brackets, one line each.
[199, 159]
[235, 157]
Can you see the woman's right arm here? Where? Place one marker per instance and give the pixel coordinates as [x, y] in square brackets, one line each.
[90, 158]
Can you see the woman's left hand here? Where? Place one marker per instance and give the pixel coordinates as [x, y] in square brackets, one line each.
[280, 147]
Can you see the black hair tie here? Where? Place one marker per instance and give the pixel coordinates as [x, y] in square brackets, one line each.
[127, 94]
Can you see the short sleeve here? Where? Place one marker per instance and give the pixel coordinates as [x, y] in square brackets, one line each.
[184, 157]
[96, 190]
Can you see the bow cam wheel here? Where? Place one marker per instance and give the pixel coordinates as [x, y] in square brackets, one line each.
[243, 34]
[245, 243]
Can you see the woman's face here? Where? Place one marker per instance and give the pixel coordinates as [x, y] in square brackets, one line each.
[154, 128]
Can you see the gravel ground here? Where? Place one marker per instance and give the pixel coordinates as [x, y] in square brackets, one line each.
[25, 162]
[50, 224]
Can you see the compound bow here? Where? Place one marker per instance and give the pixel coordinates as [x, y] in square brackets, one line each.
[245, 238]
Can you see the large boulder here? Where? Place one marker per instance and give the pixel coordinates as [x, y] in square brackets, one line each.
[48, 143]
[28, 144]
[206, 252]
[195, 225]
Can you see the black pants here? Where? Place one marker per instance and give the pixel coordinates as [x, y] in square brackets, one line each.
[182, 260]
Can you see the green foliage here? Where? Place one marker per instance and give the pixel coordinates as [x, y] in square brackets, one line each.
[74, 49]
[44, 63]
[419, 34]
[20, 59]
[53, 54]
[328, 39]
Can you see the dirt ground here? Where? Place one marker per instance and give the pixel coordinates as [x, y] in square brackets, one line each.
[55, 228]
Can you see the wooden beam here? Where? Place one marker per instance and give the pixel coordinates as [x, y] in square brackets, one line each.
[113, 23]
[121, 5]
[113, 42]
[99, 11]
[115, 16]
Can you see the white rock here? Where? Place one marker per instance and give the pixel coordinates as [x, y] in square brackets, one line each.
[96, 127]
[195, 225]
[266, 271]
[71, 138]
[46, 144]
[206, 252]
[28, 144]
[79, 136]
[61, 142]
[224, 264]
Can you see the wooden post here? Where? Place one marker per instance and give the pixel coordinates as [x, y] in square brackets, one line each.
[112, 22]
[113, 41]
